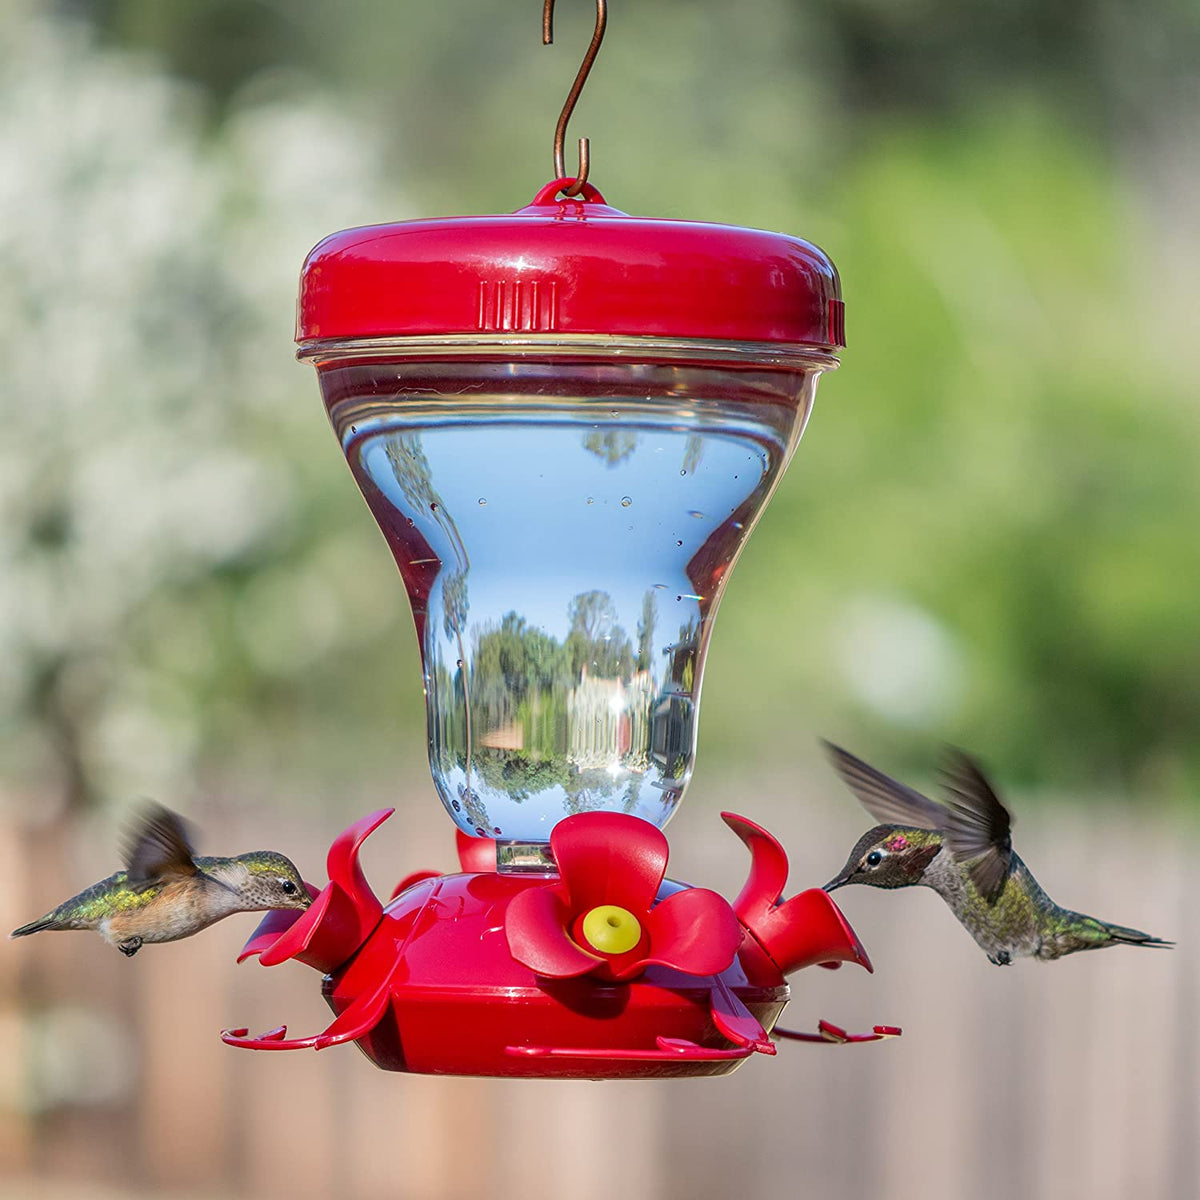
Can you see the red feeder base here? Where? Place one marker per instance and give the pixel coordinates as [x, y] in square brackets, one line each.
[488, 974]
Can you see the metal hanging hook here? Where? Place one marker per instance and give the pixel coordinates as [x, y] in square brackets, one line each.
[568, 108]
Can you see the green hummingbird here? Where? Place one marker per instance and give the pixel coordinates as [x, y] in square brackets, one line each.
[166, 892]
[963, 850]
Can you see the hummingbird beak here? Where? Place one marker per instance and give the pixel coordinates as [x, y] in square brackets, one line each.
[837, 881]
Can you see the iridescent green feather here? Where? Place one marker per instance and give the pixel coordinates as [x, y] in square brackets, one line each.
[85, 911]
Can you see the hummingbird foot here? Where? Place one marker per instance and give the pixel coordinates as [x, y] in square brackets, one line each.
[130, 946]
[1001, 958]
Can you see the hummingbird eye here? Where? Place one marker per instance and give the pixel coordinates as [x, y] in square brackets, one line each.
[874, 858]
[288, 887]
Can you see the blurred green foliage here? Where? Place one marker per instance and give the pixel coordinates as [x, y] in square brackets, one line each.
[988, 535]
[995, 453]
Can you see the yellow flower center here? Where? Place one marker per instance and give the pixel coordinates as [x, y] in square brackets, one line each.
[611, 930]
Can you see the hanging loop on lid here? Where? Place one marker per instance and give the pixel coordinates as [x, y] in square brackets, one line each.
[568, 108]
[584, 192]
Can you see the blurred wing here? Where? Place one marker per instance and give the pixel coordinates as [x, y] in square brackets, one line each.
[886, 800]
[159, 849]
[978, 827]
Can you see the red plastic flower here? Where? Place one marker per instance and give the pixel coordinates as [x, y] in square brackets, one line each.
[786, 935]
[600, 915]
[340, 918]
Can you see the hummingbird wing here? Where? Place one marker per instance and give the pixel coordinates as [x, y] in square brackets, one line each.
[884, 798]
[159, 850]
[979, 827]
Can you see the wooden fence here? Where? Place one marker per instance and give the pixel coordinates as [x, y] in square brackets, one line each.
[1073, 1079]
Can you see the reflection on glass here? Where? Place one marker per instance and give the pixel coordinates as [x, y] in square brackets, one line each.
[564, 561]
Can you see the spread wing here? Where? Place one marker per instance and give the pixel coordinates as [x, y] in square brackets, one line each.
[884, 798]
[978, 827]
[159, 849]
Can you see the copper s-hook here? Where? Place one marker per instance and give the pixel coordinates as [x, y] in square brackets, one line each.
[560, 131]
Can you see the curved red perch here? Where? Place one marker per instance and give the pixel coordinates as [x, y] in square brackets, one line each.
[834, 1035]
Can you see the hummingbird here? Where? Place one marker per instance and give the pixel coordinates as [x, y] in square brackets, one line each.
[166, 892]
[963, 850]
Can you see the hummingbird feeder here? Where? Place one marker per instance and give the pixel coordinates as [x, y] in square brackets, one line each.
[566, 421]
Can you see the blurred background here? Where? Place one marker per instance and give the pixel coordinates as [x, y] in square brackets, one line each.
[988, 538]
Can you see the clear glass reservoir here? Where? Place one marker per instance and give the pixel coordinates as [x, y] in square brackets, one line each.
[564, 512]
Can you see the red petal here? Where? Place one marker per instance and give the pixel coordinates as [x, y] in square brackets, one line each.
[609, 858]
[535, 925]
[342, 862]
[476, 855]
[694, 931]
[326, 934]
[768, 870]
[267, 933]
[736, 1021]
[340, 918]
[807, 929]
[272, 925]
[296, 937]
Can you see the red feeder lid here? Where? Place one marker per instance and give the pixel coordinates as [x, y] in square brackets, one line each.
[569, 266]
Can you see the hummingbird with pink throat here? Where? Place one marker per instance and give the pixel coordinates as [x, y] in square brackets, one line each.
[963, 850]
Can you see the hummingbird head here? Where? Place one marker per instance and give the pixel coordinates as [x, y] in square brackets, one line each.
[264, 879]
[889, 856]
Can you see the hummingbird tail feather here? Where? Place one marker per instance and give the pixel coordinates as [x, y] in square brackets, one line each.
[47, 922]
[1134, 937]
